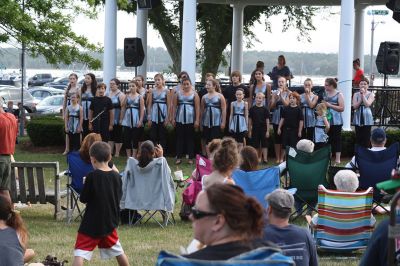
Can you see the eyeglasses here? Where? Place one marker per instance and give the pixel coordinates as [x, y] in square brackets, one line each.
[197, 214]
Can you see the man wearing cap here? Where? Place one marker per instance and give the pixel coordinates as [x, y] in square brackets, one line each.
[8, 135]
[295, 241]
[378, 141]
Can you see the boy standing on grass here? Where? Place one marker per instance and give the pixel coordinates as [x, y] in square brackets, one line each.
[101, 192]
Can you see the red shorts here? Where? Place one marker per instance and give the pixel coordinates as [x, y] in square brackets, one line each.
[109, 246]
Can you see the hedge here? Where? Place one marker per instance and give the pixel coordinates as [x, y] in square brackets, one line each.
[46, 131]
[49, 131]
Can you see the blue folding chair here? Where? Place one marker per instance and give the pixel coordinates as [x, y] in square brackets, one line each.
[77, 169]
[258, 183]
[375, 167]
[261, 256]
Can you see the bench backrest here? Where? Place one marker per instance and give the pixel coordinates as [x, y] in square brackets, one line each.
[31, 181]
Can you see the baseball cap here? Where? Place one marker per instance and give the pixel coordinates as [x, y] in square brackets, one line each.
[378, 135]
[280, 199]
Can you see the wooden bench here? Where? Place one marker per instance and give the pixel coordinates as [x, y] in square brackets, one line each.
[31, 187]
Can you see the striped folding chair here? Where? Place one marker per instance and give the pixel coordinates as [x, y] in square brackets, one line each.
[344, 220]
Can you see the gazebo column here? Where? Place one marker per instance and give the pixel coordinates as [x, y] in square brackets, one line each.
[188, 62]
[237, 38]
[141, 32]
[346, 41]
[110, 41]
[359, 34]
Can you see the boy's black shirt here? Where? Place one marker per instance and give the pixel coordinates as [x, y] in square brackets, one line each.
[102, 193]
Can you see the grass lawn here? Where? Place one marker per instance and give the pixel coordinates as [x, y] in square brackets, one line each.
[141, 243]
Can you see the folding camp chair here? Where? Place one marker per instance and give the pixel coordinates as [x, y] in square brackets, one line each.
[375, 167]
[344, 220]
[258, 183]
[261, 256]
[149, 189]
[77, 169]
[307, 171]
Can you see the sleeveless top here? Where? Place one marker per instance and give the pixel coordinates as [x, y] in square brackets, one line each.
[86, 100]
[319, 131]
[308, 113]
[132, 113]
[238, 122]
[185, 112]
[212, 114]
[263, 89]
[336, 117]
[11, 252]
[117, 106]
[363, 114]
[159, 108]
[73, 118]
[276, 115]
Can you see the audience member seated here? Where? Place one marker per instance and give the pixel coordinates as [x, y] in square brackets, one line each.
[378, 141]
[226, 221]
[248, 159]
[305, 145]
[212, 148]
[295, 241]
[150, 163]
[345, 181]
[85, 146]
[225, 160]
[13, 236]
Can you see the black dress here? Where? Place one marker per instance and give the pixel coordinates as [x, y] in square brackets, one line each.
[101, 107]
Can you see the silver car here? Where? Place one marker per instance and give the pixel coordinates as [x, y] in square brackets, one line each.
[50, 105]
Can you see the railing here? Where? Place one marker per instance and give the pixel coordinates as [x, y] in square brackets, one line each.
[385, 109]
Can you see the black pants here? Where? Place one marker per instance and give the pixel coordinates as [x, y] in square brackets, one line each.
[158, 134]
[363, 135]
[290, 137]
[308, 133]
[184, 140]
[210, 133]
[85, 128]
[132, 136]
[277, 138]
[74, 141]
[258, 137]
[335, 138]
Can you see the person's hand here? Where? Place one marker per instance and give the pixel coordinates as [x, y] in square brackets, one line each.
[223, 126]
[66, 130]
[166, 122]
[139, 124]
[267, 134]
[79, 130]
[120, 122]
[196, 125]
[249, 134]
[90, 127]
[158, 150]
[279, 131]
[173, 122]
[149, 123]
[110, 128]
[299, 134]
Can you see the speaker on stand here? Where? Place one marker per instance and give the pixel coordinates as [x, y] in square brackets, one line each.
[387, 59]
[133, 53]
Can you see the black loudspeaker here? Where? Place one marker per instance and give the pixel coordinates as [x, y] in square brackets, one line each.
[148, 4]
[387, 60]
[133, 52]
[394, 5]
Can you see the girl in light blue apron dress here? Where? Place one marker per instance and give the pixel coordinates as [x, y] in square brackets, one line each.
[238, 120]
[321, 126]
[88, 91]
[132, 114]
[73, 123]
[308, 101]
[117, 97]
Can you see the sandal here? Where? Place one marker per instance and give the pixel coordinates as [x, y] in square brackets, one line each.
[178, 161]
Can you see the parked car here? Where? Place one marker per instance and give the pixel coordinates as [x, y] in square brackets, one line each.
[50, 105]
[62, 83]
[14, 94]
[41, 92]
[40, 79]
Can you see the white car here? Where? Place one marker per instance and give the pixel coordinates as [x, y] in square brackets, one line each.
[50, 105]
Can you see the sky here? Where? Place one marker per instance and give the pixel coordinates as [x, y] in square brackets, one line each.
[324, 38]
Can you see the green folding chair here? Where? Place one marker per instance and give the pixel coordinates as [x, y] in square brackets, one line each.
[307, 171]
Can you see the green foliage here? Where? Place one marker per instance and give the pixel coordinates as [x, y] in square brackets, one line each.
[46, 131]
[45, 28]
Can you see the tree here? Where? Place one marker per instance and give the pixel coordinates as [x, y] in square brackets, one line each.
[45, 28]
[215, 28]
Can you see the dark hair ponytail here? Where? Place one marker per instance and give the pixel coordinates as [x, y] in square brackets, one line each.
[146, 153]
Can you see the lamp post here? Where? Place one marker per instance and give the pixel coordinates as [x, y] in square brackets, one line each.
[373, 27]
